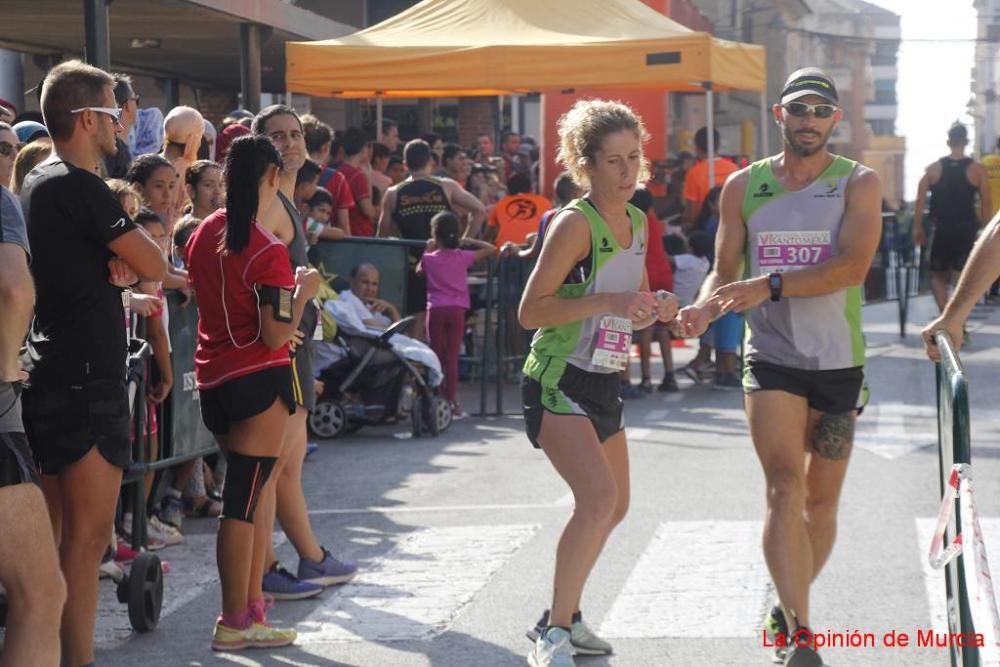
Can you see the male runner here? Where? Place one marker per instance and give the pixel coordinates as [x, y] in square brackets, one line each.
[953, 182]
[803, 225]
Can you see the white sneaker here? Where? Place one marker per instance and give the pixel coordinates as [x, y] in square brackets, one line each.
[164, 531]
[552, 649]
[112, 570]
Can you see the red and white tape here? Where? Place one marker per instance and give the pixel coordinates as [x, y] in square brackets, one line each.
[976, 566]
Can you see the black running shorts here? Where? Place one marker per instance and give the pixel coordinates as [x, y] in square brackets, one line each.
[303, 388]
[834, 392]
[951, 245]
[245, 397]
[63, 422]
[567, 390]
[17, 464]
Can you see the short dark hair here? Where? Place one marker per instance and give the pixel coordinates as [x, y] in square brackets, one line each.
[518, 184]
[309, 172]
[354, 141]
[147, 216]
[957, 134]
[451, 150]
[71, 85]
[388, 124]
[507, 135]
[184, 229]
[431, 138]
[380, 151]
[701, 139]
[317, 133]
[565, 187]
[321, 196]
[259, 125]
[143, 167]
[416, 154]
[124, 91]
[394, 160]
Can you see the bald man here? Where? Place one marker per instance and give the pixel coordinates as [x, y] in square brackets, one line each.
[363, 298]
[183, 128]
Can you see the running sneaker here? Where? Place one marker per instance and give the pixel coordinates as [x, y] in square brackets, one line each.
[775, 626]
[803, 656]
[727, 382]
[669, 383]
[283, 585]
[583, 640]
[699, 372]
[631, 391]
[171, 511]
[154, 541]
[647, 386]
[164, 531]
[311, 448]
[327, 572]
[256, 635]
[112, 570]
[552, 649]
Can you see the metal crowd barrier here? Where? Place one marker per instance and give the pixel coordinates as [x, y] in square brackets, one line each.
[899, 269]
[954, 446]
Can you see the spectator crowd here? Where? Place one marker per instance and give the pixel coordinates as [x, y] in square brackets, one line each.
[105, 216]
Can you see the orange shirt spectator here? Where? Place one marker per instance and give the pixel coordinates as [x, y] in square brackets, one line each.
[696, 185]
[519, 213]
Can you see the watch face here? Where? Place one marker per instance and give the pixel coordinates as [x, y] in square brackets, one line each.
[775, 281]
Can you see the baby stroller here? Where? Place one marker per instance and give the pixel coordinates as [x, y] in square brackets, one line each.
[373, 383]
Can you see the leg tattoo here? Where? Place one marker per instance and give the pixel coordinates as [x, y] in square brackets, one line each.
[833, 436]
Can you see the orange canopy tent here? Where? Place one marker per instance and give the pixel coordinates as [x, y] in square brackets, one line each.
[496, 47]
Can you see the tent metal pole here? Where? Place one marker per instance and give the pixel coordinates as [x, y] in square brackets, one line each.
[765, 149]
[378, 119]
[710, 125]
[500, 115]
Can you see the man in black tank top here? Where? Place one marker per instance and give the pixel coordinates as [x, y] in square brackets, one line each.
[953, 182]
[407, 209]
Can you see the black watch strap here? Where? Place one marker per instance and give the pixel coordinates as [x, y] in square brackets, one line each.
[775, 283]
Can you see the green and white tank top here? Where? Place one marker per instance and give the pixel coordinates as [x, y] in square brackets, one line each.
[603, 339]
[792, 230]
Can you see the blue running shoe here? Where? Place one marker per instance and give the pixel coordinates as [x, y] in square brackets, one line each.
[311, 447]
[328, 571]
[281, 584]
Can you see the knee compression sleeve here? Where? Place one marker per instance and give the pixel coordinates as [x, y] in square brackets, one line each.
[245, 477]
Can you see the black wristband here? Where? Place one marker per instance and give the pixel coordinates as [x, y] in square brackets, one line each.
[775, 283]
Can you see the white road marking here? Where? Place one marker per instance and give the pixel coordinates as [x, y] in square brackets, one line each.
[638, 433]
[934, 579]
[417, 589]
[659, 415]
[192, 572]
[892, 430]
[421, 509]
[695, 579]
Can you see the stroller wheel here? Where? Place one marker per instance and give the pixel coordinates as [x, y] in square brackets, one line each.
[442, 414]
[417, 418]
[328, 420]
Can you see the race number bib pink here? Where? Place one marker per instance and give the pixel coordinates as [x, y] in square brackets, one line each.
[791, 251]
[614, 338]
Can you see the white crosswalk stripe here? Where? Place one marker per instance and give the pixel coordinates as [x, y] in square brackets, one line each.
[695, 579]
[892, 430]
[417, 589]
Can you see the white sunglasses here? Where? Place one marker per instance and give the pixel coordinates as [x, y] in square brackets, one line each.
[114, 112]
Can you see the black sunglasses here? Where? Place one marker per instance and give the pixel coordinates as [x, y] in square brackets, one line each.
[800, 109]
[6, 148]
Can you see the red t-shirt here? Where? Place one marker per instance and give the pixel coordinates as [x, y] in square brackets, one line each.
[337, 185]
[229, 344]
[357, 180]
[661, 276]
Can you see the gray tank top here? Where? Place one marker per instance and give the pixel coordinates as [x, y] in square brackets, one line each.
[298, 253]
[793, 230]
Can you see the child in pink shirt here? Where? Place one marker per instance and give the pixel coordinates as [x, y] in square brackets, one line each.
[446, 269]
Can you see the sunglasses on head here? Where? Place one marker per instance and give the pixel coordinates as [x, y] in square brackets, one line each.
[7, 148]
[800, 109]
[114, 112]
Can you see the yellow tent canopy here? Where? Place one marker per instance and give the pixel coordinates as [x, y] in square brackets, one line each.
[496, 47]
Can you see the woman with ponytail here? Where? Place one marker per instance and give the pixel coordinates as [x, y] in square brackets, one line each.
[446, 269]
[249, 305]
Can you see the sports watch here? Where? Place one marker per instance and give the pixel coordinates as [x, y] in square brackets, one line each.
[775, 282]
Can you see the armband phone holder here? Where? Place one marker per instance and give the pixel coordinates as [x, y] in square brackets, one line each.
[280, 300]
